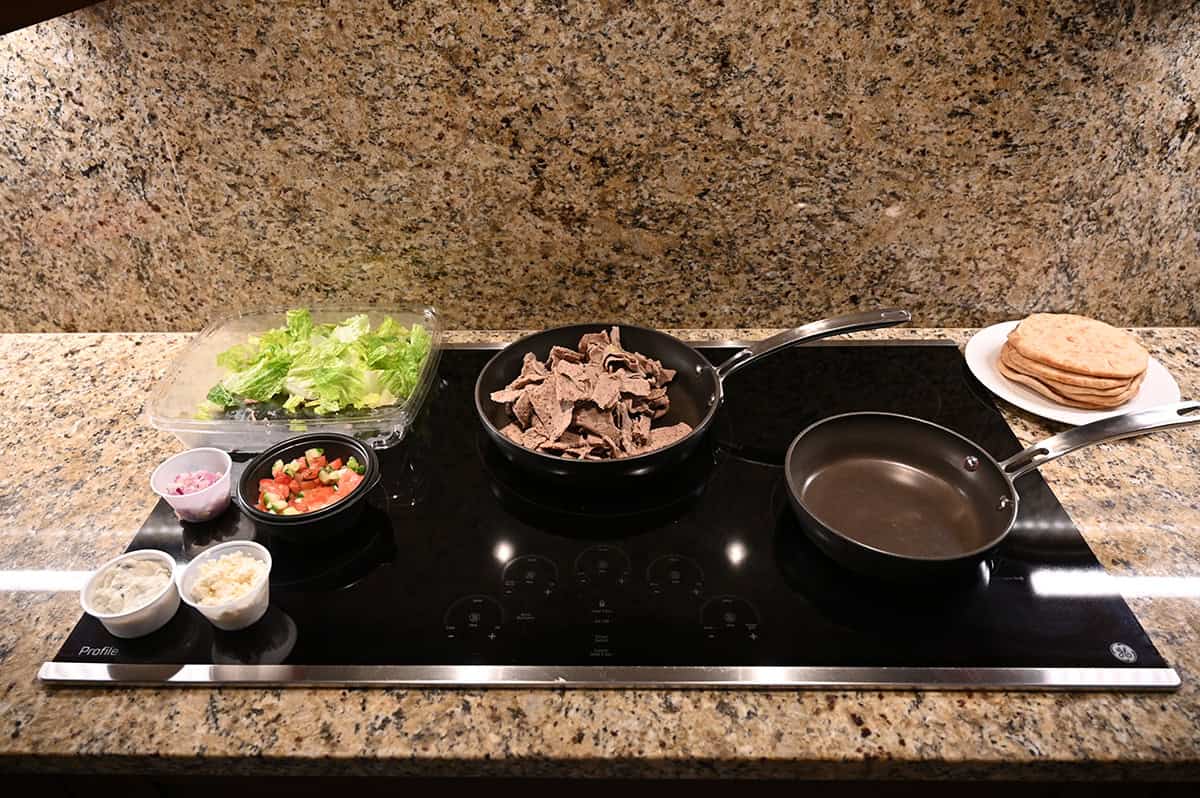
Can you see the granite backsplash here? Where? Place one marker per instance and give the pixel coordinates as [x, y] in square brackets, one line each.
[703, 164]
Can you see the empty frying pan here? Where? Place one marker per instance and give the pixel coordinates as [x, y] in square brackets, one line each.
[906, 499]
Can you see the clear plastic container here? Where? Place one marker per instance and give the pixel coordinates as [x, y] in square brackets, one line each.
[236, 613]
[174, 403]
[203, 504]
[144, 619]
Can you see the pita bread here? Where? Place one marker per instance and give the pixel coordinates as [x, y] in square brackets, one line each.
[1079, 344]
[1086, 403]
[1018, 362]
[1074, 391]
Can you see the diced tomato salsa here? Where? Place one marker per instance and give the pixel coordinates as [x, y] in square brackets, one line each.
[308, 483]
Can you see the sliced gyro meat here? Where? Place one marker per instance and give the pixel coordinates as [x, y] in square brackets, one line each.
[594, 402]
[665, 436]
[561, 353]
[633, 384]
[522, 409]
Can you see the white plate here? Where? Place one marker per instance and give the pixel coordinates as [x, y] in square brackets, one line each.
[983, 353]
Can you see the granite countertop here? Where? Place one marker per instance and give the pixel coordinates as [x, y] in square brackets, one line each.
[70, 407]
[681, 163]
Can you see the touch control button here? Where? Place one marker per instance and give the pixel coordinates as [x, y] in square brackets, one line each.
[675, 575]
[602, 613]
[730, 618]
[474, 618]
[602, 566]
[530, 576]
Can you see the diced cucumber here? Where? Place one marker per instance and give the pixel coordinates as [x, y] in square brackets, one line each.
[277, 468]
[291, 468]
[274, 503]
[312, 454]
[355, 466]
[289, 511]
[328, 476]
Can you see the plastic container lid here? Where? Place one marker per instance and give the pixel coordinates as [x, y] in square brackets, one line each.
[174, 403]
[237, 613]
[141, 620]
[203, 504]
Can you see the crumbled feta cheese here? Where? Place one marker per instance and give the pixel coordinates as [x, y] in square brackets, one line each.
[228, 577]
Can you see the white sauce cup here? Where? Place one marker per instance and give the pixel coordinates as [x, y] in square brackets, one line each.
[237, 613]
[139, 621]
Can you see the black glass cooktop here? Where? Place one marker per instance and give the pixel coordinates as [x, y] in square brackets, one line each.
[468, 571]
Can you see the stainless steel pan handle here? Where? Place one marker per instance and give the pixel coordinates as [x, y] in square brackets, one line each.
[851, 322]
[1107, 429]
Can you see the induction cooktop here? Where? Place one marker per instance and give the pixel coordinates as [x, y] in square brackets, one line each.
[466, 571]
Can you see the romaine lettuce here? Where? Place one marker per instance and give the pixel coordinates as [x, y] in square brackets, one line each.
[325, 368]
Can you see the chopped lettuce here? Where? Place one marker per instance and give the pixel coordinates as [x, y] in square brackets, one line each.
[351, 329]
[239, 356]
[299, 324]
[325, 368]
[220, 395]
[259, 381]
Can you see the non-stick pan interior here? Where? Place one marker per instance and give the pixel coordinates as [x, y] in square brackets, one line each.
[900, 486]
[691, 392]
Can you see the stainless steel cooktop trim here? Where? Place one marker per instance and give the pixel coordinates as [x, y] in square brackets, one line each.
[94, 674]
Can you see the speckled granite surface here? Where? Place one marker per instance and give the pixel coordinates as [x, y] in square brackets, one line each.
[675, 163]
[73, 400]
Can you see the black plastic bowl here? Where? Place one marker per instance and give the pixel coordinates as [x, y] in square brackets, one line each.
[320, 525]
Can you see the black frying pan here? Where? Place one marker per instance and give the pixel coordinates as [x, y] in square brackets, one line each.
[905, 499]
[695, 393]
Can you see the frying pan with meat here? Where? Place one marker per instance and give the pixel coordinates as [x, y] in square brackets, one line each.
[905, 499]
[695, 393]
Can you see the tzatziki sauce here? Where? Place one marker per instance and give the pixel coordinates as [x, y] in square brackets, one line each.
[129, 584]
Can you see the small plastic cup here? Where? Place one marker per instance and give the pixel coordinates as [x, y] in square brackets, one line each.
[237, 613]
[202, 505]
[139, 621]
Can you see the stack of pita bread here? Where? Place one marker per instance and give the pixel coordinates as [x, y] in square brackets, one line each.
[1074, 361]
